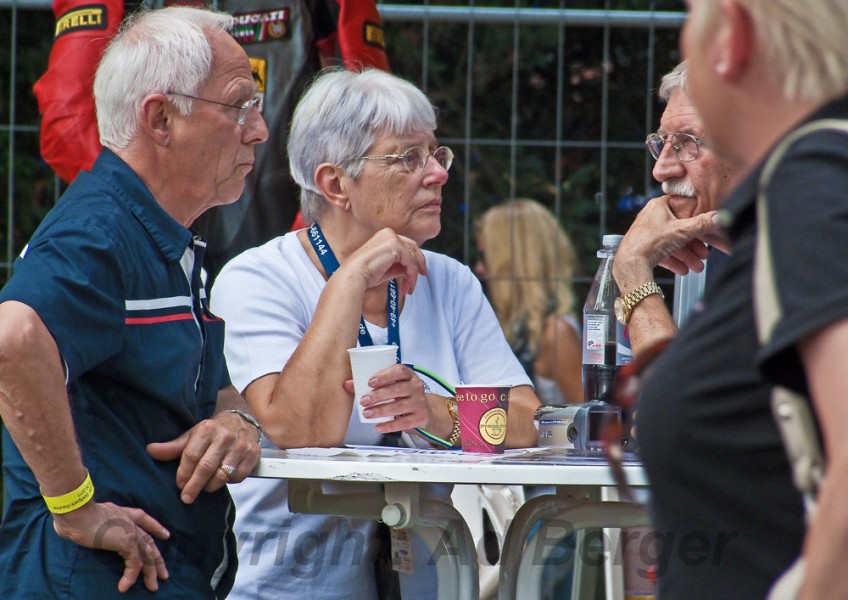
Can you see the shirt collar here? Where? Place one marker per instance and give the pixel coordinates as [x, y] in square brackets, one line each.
[170, 236]
[744, 196]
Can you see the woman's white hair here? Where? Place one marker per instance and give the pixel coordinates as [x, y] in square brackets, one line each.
[340, 116]
[155, 51]
[804, 44]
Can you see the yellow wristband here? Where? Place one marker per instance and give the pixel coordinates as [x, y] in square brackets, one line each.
[72, 500]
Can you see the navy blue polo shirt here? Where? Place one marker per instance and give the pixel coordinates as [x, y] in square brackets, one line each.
[116, 280]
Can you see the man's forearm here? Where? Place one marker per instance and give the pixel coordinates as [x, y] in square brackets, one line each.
[34, 402]
[230, 399]
[650, 320]
[649, 323]
[520, 430]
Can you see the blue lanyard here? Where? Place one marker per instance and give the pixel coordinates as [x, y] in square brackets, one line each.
[331, 264]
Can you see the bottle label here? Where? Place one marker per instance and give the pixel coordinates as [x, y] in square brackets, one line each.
[623, 352]
[594, 339]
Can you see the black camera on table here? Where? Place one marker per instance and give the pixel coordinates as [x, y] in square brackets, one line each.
[577, 426]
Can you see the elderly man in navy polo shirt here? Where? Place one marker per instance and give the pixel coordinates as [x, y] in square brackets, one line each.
[121, 425]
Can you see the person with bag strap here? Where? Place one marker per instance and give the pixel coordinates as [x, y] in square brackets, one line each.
[722, 484]
[792, 411]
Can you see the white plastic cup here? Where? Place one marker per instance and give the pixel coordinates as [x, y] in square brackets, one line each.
[364, 362]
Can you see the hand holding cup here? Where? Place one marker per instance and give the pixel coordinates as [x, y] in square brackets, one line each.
[364, 363]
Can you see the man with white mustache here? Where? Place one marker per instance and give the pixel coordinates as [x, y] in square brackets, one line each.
[678, 188]
[676, 229]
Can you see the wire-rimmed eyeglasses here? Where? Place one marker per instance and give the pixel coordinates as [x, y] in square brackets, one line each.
[416, 157]
[244, 108]
[686, 145]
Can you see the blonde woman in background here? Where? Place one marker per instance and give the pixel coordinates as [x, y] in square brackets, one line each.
[527, 263]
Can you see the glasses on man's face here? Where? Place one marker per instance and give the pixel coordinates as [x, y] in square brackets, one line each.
[685, 145]
[244, 109]
[416, 157]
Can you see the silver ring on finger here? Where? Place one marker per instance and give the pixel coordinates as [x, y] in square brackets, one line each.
[228, 470]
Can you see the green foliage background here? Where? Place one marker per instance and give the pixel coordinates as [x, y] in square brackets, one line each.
[447, 54]
[579, 197]
[34, 182]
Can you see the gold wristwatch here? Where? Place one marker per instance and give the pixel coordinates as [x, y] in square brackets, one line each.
[624, 304]
[454, 438]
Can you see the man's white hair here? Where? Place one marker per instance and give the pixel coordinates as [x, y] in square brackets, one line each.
[673, 81]
[804, 43]
[155, 51]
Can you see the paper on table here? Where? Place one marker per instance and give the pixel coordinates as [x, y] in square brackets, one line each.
[361, 450]
[321, 452]
[355, 450]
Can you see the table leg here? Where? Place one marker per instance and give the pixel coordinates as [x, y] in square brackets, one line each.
[439, 524]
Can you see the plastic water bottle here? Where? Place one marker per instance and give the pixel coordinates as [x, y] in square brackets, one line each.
[606, 343]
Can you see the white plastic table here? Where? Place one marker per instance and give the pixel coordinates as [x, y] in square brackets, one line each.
[581, 483]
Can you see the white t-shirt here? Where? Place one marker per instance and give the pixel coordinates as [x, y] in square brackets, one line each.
[267, 297]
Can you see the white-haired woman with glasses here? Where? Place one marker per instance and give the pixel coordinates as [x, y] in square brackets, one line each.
[363, 150]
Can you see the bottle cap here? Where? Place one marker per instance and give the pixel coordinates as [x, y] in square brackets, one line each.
[612, 240]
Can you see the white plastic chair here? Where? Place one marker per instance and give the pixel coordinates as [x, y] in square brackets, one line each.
[488, 511]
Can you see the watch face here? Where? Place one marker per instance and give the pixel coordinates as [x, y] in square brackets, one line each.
[620, 311]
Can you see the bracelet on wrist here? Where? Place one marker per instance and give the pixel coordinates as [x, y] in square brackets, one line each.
[249, 418]
[73, 500]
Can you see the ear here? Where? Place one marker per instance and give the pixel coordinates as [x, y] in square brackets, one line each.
[332, 181]
[737, 39]
[155, 118]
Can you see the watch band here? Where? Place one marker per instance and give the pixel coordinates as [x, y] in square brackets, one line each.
[249, 418]
[631, 299]
[454, 438]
